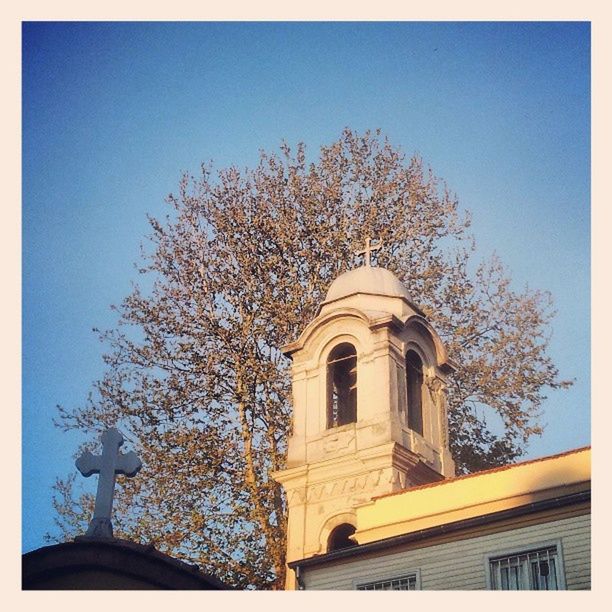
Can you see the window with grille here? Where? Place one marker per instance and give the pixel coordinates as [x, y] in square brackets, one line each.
[534, 570]
[403, 583]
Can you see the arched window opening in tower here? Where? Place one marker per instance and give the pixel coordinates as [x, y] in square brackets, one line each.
[342, 385]
[340, 537]
[414, 386]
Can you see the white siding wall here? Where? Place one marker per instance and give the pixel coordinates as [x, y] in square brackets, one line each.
[462, 564]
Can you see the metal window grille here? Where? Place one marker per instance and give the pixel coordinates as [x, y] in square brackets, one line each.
[403, 583]
[534, 570]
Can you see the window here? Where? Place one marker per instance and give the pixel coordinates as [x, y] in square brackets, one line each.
[402, 583]
[340, 537]
[342, 385]
[534, 570]
[414, 386]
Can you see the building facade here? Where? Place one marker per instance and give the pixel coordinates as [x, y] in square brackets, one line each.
[524, 527]
[373, 501]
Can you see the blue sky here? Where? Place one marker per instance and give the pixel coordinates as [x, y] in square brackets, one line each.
[114, 113]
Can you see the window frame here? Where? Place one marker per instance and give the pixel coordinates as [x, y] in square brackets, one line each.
[421, 374]
[526, 550]
[335, 530]
[329, 384]
[388, 576]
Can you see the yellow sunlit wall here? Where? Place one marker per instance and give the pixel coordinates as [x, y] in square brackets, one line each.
[473, 495]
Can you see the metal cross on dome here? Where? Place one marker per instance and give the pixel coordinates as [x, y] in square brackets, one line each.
[110, 463]
[367, 252]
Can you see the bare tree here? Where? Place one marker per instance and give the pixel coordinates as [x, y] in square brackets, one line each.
[195, 376]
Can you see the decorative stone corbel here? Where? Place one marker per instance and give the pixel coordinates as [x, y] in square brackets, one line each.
[437, 392]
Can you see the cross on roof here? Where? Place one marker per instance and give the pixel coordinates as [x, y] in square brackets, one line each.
[368, 250]
[108, 465]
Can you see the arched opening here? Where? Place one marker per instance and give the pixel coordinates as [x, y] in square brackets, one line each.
[342, 385]
[414, 387]
[340, 537]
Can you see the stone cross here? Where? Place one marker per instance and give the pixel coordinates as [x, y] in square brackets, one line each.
[108, 465]
[368, 251]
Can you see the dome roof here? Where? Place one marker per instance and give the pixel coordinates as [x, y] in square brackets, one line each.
[367, 279]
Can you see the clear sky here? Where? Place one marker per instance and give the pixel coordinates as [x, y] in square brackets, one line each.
[114, 113]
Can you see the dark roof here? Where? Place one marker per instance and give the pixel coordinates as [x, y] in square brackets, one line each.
[121, 561]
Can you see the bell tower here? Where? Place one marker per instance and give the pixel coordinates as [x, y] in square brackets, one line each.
[369, 375]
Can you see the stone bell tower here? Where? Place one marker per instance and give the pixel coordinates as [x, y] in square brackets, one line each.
[369, 411]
